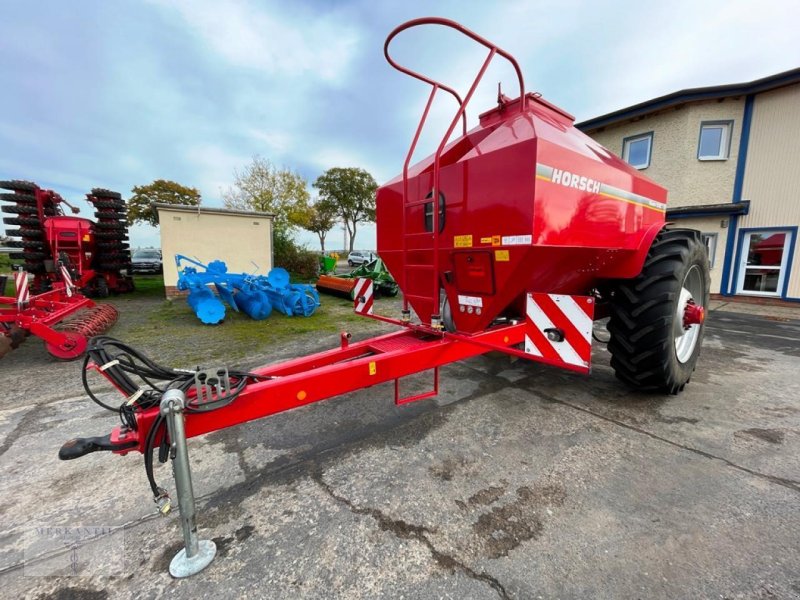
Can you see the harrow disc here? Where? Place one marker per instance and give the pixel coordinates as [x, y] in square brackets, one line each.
[71, 348]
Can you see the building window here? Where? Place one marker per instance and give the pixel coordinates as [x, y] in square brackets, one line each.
[636, 150]
[710, 240]
[715, 140]
[763, 261]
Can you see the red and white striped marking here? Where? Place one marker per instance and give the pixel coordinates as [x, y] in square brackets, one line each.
[21, 283]
[568, 320]
[362, 296]
[68, 285]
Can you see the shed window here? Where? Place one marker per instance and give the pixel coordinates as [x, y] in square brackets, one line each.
[715, 139]
[636, 150]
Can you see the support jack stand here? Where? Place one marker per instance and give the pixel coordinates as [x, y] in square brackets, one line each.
[197, 554]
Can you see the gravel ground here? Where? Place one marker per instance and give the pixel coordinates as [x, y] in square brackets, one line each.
[518, 481]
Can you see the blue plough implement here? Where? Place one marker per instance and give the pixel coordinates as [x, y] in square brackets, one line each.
[254, 295]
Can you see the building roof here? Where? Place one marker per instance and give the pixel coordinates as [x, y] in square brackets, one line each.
[210, 210]
[692, 95]
[708, 210]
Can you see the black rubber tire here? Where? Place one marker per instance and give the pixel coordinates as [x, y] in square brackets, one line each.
[34, 267]
[19, 198]
[19, 209]
[28, 256]
[19, 186]
[100, 287]
[103, 193]
[644, 313]
[106, 247]
[33, 246]
[26, 233]
[109, 203]
[113, 266]
[23, 221]
[108, 226]
[111, 234]
[115, 216]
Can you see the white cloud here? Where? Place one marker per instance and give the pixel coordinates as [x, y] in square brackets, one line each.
[302, 44]
[213, 166]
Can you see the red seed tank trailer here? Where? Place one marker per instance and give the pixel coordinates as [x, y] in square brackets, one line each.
[513, 237]
[532, 210]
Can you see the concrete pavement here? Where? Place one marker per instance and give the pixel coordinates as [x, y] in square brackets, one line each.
[519, 481]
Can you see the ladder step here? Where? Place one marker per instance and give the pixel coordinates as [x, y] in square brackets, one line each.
[418, 234]
[426, 267]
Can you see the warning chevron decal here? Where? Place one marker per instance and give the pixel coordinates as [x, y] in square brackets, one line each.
[558, 328]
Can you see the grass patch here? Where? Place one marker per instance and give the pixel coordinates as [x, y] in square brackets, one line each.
[5, 269]
[236, 337]
[147, 286]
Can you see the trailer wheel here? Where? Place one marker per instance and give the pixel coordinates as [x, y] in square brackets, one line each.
[657, 318]
[101, 287]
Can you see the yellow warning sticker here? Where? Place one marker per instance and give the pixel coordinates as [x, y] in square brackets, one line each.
[486, 240]
[496, 239]
[501, 255]
[462, 241]
[373, 368]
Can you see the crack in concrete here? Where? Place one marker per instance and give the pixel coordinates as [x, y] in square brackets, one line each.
[28, 418]
[409, 531]
[782, 481]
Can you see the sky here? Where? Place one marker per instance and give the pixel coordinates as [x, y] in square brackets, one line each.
[118, 94]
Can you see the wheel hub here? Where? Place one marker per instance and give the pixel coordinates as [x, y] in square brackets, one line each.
[693, 314]
[690, 315]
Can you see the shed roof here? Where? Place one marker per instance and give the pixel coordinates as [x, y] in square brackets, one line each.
[210, 210]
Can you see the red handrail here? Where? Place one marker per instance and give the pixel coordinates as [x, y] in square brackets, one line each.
[460, 114]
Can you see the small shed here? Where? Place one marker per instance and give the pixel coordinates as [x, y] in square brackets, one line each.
[239, 238]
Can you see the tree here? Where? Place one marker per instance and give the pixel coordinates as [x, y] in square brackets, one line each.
[352, 192]
[320, 219]
[140, 207]
[265, 188]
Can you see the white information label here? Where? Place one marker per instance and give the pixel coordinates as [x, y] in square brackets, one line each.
[516, 240]
[470, 300]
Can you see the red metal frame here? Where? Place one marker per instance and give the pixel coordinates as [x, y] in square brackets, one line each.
[42, 312]
[320, 376]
